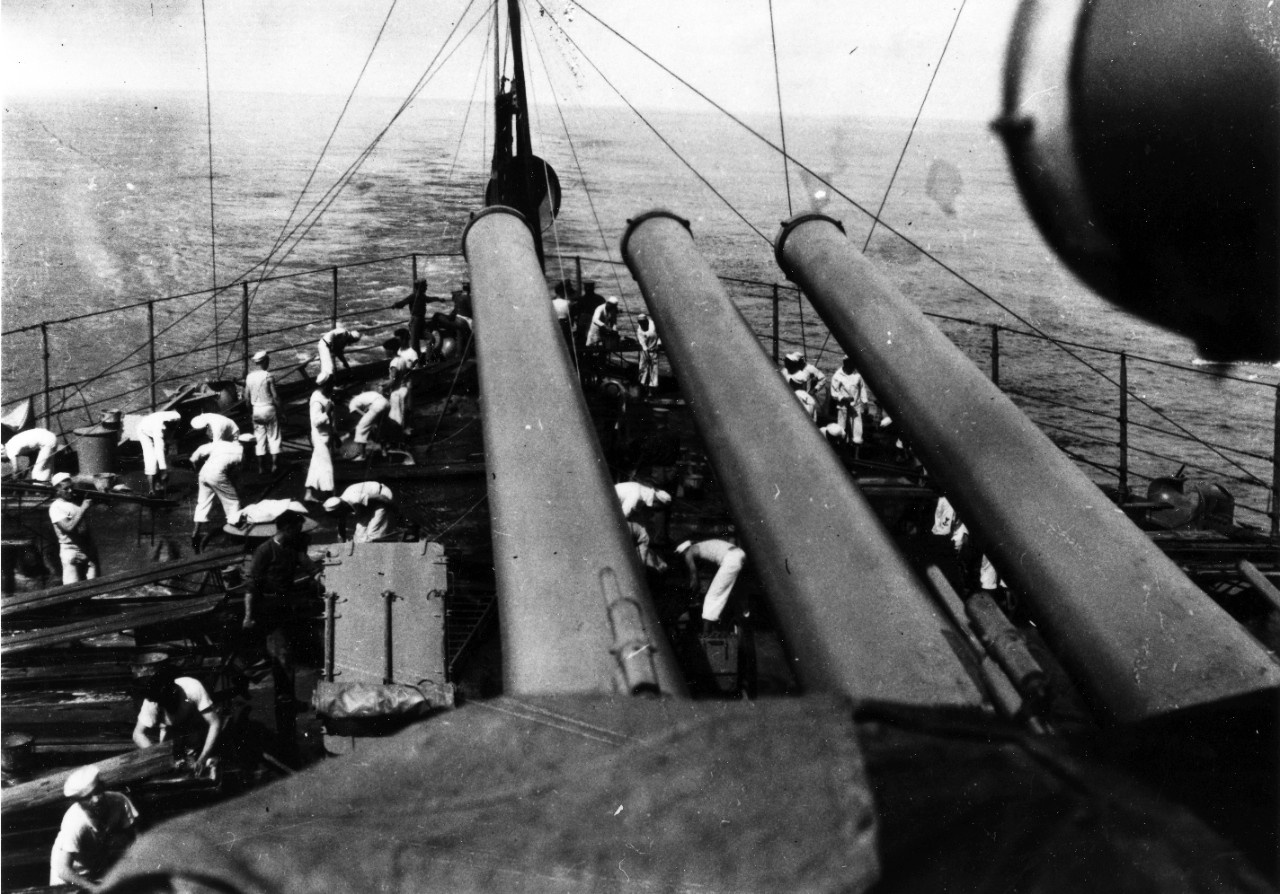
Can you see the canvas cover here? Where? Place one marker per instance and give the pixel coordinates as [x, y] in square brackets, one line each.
[612, 794]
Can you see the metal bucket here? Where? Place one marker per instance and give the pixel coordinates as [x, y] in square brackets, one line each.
[97, 445]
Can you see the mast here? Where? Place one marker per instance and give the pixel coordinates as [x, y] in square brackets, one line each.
[518, 178]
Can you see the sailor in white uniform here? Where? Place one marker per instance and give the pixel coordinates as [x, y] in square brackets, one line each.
[633, 494]
[220, 459]
[605, 319]
[851, 397]
[69, 514]
[217, 426]
[260, 392]
[373, 408]
[370, 503]
[399, 386]
[647, 365]
[728, 560]
[333, 346]
[149, 434]
[320, 471]
[39, 441]
[800, 372]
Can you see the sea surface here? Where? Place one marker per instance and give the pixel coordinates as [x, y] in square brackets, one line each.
[107, 205]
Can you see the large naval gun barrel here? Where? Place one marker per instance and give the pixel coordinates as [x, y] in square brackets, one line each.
[576, 614]
[854, 617]
[1140, 638]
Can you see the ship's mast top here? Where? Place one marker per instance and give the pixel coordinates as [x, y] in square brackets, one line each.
[518, 178]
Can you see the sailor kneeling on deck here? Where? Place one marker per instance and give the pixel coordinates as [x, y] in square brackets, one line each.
[179, 710]
[96, 829]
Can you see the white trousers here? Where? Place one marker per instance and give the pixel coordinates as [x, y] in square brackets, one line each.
[216, 485]
[266, 430]
[152, 453]
[76, 565]
[722, 584]
[320, 472]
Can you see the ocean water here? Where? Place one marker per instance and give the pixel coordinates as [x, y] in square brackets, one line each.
[107, 205]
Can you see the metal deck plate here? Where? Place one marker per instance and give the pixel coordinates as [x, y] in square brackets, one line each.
[417, 574]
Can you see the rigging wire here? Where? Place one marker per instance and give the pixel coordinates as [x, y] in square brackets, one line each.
[672, 149]
[326, 200]
[937, 68]
[213, 229]
[857, 205]
[331, 195]
[275, 246]
[577, 163]
[530, 85]
[782, 125]
[902, 155]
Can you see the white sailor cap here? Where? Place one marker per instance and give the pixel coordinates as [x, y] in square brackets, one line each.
[612, 299]
[260, 356]
[81, 783]
[353, 334]
[332, 503]
[795, 357]
[59, 478]
[662, 496]
[684, 546]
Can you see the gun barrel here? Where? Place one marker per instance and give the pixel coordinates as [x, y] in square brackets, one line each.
[854, 617]
[561, 550]
[1138, 635]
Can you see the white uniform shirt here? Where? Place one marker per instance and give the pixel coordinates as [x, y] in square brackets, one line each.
[632, 493]
[220, 427]
[260, 388]
[371, 501]
[196, 701]
[218, 456]
[93, 847]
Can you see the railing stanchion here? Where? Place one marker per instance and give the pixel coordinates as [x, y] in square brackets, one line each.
[44, 349]
[244, 324]
[995, 354]
[151, 353]
[1124, 427]
[775, 322]
[1275, 469]
[334, 319]
[577, 267]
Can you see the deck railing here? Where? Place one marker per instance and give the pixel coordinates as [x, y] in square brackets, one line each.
[1102, 406]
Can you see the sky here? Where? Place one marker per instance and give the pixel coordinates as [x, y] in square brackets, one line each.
[848, 57]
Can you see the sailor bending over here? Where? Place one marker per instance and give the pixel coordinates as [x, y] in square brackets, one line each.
[149, 434]
[333, 346]
[217, 462]
[216, 426]
[38, 441]
[728, 561]
[370, 504]
[372, 408]
[179, 710]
